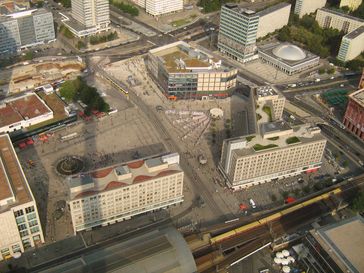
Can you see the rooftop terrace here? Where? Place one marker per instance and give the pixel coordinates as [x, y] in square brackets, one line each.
[121, 175]
[358, 96]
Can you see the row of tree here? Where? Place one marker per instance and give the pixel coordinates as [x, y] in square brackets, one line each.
[97, 39]
[213, 5]
[132, 10]
[79, 90]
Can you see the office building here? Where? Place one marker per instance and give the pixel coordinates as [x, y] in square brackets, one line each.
[327, 18]
[183, 72]
[25, 29]
[361, 82]
[272, 98]
[278, 151]
[335, 248]
[160, 7]
[354, 115]
[238, 32]
[352, 4]
[117, 193]
[304, 7]
[273, 18]
[88, 17]
[287, 57]
[352, 45]
[20, 227]
[22, 111]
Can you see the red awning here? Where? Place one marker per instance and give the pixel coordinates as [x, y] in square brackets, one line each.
[290, 200]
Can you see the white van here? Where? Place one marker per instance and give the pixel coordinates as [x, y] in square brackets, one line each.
[252, 203]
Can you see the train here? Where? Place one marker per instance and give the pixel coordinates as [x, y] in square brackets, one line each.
[273, 217]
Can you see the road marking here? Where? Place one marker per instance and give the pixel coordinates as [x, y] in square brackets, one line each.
[83, 240]
[151, 42]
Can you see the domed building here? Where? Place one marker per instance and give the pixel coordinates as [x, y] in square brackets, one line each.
[289, 58]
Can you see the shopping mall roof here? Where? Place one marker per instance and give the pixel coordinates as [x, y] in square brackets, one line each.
[344, 242]
[24, 107]
[163, 250]
[14, 188]
[126, 174]
[358, 97]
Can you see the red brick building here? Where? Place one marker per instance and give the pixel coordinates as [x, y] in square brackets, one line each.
[354, 115]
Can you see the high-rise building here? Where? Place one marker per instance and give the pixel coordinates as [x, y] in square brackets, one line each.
[328, 18]
[278, 151]
[25, 29]
[352, 45]
[20, 227]
[352, 4]
[184, 72]
[238, 32]
[304, 7]
[354, 115]
[272, 98]
[117, 193]
[273, 18]
[88, 17]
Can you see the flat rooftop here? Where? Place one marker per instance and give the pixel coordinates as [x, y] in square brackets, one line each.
[266, 91]
[181, 57]
[24, 107]
[358, 96]
[344, 242]
[239, 9]
[355, 33]
[121, 175]
[14, 189]
[339, 13]
[282, 136]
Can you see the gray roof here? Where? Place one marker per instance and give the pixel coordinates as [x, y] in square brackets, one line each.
[342, 14]
[355, 33]
[154, 252]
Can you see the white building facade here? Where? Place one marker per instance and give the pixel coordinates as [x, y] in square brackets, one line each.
[20, 226]
[352, 45]
[304, 7]
[117, 193]
[352, 4]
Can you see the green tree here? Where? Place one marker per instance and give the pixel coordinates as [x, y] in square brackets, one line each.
[358, 202]
[321, 71]
[69, 89]
[29, 55]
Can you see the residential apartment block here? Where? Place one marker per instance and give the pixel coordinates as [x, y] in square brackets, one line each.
[238, 32]
[160, 7]
[184, 72]
[354, 115]
[352, 4]
[88, 17]
[20, 227]
[352, 45]
[278, 151]
[273, 18]
[272, 98]
[117, 193]
[25, 29]
[304, 7]
[327, 18]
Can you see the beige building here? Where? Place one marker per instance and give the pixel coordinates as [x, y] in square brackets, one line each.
[160, 7]
[117, 193]
[20, 227]
[304, 7]
[352, 45]
[184, 72]
[279, 151]
[328, 18]
[267, 96]
[273, 18]
[352, 4]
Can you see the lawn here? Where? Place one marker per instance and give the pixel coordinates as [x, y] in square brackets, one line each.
[249, 138]
[274, 138]
[180, 22]
[259, 147]
[292, 140]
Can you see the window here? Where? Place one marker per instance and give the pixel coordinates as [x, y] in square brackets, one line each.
[26, 243]
[34, 229]
[16, 248]
[29, 209]
[20, 220]
[31, 216]
[22, 227]
[24, 233]
[33, 223]
[18, 213]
